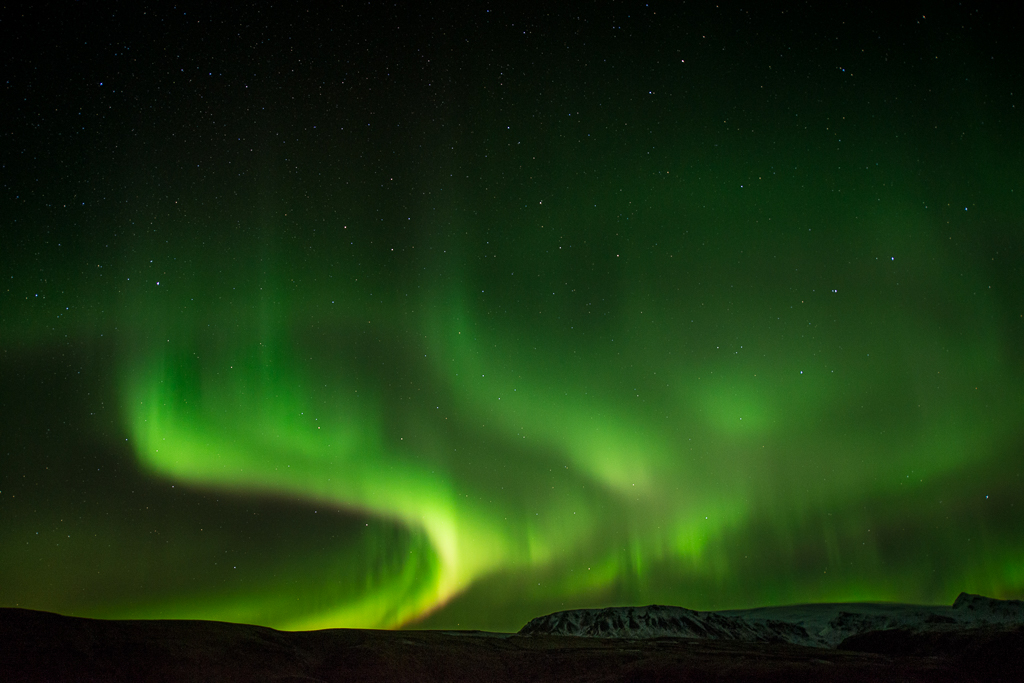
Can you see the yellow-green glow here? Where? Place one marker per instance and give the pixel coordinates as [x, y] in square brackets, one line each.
[542, 456]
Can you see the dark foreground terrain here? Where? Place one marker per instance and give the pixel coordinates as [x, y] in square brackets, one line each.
[39, 646]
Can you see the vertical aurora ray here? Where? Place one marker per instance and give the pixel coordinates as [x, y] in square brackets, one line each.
[610, 325]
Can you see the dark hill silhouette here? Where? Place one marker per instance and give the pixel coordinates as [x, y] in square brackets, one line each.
[40, 646]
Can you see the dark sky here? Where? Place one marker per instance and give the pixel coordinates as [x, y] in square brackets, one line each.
[418, 316]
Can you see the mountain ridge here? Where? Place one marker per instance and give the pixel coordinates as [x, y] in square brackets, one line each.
[822, 625]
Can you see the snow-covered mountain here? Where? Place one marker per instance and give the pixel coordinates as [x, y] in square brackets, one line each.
[817, 625]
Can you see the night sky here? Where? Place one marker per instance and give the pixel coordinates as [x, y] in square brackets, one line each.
[413, 316]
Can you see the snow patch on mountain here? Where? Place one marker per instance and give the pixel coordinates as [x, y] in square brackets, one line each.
[817, 625]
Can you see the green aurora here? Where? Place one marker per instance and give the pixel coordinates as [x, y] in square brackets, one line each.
[560, 332]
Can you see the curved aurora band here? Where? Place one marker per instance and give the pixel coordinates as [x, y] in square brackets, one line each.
[581, 452]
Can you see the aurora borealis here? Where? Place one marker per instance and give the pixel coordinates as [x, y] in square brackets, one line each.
[394, 317]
